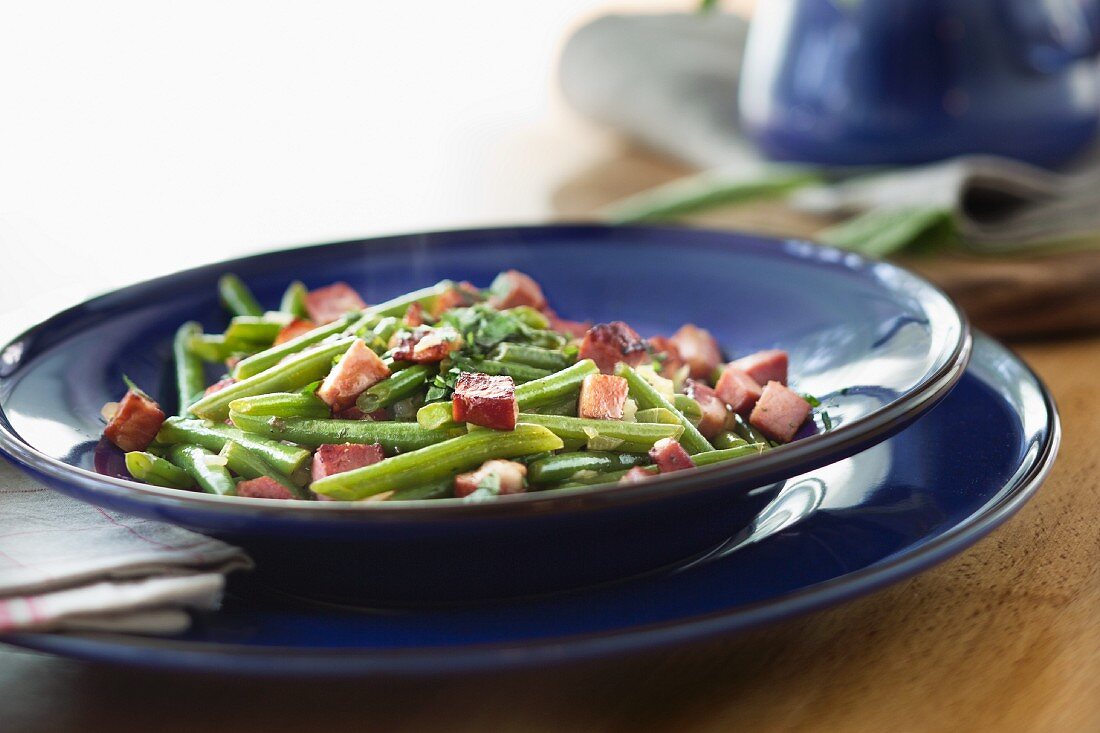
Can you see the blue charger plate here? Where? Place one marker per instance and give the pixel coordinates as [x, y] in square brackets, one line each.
[838, 532]
[877, 344]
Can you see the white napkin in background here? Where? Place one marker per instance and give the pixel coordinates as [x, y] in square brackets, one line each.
[67, 565]
[670, 81]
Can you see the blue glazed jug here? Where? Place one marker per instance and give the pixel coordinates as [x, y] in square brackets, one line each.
[872, 82]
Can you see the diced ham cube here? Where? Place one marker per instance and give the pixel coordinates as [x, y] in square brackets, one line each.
[426, 345]
[294, 329]
[359, 369]
[671, 362]
[263, 487]
[330, 458]
[602, 397]
[698, 348]
[635, 475]
[669, 455]
[779, 413]
[765, 366]
[326, 304]
[511, 475]
[136, 422]
[609, 343]
[714, 409]
[513, 288]
[414, 315]
[461, 295]
[487, 401]
[576, 329]
[219, 385]
[737, 389]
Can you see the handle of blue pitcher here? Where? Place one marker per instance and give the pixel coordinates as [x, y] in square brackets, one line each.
[1055, 33]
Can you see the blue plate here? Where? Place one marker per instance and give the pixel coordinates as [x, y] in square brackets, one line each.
[829, 535]
[877, 344]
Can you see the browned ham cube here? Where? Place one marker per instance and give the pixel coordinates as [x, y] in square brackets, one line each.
[510, 475]
[670, 355]
[332, 458]
[359, 369]
[737, 389]
[635, 475]
[294, 329]
[426, 345]
[669, 455]
[609, 343]
[714, 408]
[487, 401]
[602, 397]
[136, 422]
[219, 385]
[513, 288]
[765, 366]
[326, 304]
[779, 413]
[698, 349]
[263, 487]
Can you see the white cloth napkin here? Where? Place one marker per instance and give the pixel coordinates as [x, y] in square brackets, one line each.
[67, 565]
[670, 83]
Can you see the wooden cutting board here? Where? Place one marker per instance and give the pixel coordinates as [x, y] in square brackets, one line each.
[1010, 297]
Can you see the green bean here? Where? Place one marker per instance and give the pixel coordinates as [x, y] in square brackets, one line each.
[555, 387]
[438, 490]
[436, 462]
[728, 439]
[268, 358]
[298, 370]
[530, 317]
[751, 435]
[395, 388]
[586, 482]
[212, 437]
[294, 300]
[215, 348]
[237, 298]
[648, 397]
[520, 373]
[378, 337]
[634, 437]
[534, 356]
[156, 471]
[395, 437]
[396, 307]
[245, 463]
[657, 415]
[563, 466]
[568, 406]
[436, 415]
[190, 380]
[252, 329]
[690, 409]
[728, 454]
[203, 466]
[282, 404]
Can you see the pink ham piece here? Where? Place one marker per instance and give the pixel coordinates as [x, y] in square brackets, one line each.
[330, 458]
[136, 422]
[359, 369]
[609, 343]
[513, 288]
[737, 389]
[426, 345]
[635, 475]
[714, 409]
[670, 355]
[512, 477]
[698, 349]
[765, 366]
[487, 401]
[576, 329]
[414, 315]
[219, 385]
[602, 397]
[669, 455]
[779, 413]
[326, 304]
[293, 330]
[263, 487]
[462, 295]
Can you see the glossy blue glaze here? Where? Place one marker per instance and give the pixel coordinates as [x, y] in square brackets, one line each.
[832, 534]
[877, 344]
[908, 81]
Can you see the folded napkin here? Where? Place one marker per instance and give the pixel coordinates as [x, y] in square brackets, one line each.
[670, 83]
[67, 565]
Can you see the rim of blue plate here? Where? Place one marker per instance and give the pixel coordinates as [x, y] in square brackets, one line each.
[199, 656]
[770, 466]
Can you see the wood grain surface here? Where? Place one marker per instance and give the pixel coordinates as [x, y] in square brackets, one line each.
[1004, 637]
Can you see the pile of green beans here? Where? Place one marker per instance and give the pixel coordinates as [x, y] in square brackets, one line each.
[266, 418]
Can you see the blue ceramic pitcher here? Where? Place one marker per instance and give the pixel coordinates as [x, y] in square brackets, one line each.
[867, 82]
